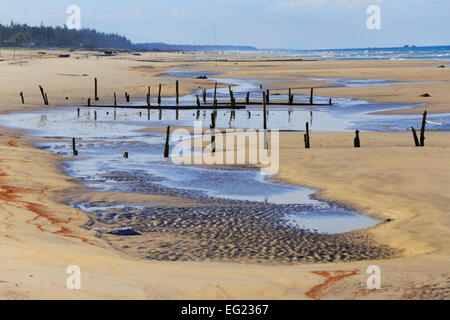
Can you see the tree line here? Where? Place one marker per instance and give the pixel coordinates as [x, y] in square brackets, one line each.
[22, 35]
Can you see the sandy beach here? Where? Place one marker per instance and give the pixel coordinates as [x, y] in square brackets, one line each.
[40, 235]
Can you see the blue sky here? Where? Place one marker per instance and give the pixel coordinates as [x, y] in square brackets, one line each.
[298, 24]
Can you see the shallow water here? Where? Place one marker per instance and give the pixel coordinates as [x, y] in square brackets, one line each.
[343, 82]
[101, 166]
[102, 143]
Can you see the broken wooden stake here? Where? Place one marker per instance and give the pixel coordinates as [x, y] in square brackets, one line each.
[167, 146]
[89, 102]
[416, 139]
[213, 132]
[21, 96]
[204, 96]
[291, 97]
[268, 96]
[44, 96]
[96, 90]
[178, 93]
[357, 141]
[247, 99]
[74, 147]
[148, 97]
[264, 112]
[95, 115]
[311, 97]
[115, 100]
[78, 111]
[198, 101]
[307, 138]
[159, 94]
[422, 130]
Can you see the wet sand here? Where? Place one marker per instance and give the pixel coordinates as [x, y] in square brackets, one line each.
[387, 177]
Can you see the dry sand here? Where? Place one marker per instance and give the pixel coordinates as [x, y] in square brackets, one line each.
[40, 237]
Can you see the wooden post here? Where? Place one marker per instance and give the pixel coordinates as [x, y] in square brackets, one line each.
[148, 113]
[167, 146]
[95, 115]
[268, 96]
[213, 133]
[96, 90]
[125, 155]
[160, 114]
[416, 139]
[74, 147]
[307, 138]
[311, 98]
[78, 111]
[198, 101]
[44, 95]
[264, 112]
[215, 95]
[204, 96]
[357, 141]
[247, 99]
[89, 102]
[115, 100]
[21, 96]
[178, 93]
[422, 130]
[177, 114]
[198, 115]
[330, 102]
[148, 97]
[159, 95]
[291, 97]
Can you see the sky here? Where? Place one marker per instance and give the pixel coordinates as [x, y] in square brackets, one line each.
[287, 24]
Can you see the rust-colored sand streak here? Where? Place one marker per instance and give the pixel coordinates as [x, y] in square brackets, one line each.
[11, 237]
[331, 277]
[12, 143]
[11, 196]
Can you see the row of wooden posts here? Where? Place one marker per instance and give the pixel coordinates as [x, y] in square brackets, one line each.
[204, 93]
[265, 101]
[307, 137]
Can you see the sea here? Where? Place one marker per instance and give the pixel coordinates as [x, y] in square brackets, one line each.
[394, 53]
